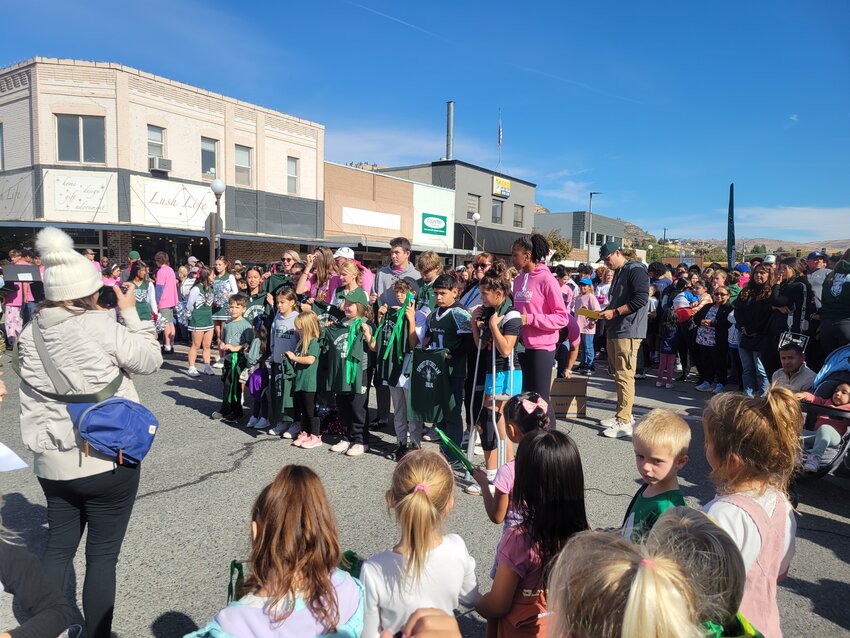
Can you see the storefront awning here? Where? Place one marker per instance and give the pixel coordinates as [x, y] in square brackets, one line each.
[491, 240]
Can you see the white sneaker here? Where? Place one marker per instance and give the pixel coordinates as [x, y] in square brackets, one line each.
[473, 488]
[193, 372]
[262, 423]
[277, 430]
[251, 422]
[341, 446]
[429, 435]
[609, 422]
[358, 449]
[216, 415]
[620, 430]
[208, 369]
[292, 431]
[218, 365]
[658, 384]
[669, 386]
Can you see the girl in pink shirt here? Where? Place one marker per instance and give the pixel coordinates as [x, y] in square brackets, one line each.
[166, 297]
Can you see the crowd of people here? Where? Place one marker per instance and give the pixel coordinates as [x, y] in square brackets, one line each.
[459, 355]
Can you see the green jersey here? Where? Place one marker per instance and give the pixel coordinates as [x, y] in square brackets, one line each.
[143, 306]
[345, 356]
[238, 333]
[305, 375]
[739, 628]
[450, 329]
[430, 399]
[645, 511]
[281, 386]
[391, 350]
[426, 300]
[256, 307]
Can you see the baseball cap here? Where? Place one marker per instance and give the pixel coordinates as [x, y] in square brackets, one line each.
[345, 252]
[769, 259]
[585, 281]
[815, 254]
[88, 251]
[742, 268]
[192, 260]
[607, 249]
[238, 261]
[358, 295]
[134, 254]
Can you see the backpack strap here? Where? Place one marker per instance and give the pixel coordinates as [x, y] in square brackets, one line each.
[59, 382]
[637, 495]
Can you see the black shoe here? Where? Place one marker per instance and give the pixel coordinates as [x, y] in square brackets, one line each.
[400, 451]
[682, 377]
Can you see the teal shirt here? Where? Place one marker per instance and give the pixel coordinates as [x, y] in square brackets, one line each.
[238, 333]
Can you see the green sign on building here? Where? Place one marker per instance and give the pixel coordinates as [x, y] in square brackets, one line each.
[433, 224]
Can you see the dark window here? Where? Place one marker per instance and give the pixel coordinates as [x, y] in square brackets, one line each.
[497, 211]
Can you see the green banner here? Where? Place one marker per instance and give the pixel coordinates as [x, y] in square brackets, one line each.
[434, 224]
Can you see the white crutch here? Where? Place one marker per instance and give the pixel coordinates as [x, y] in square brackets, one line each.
[470, 443]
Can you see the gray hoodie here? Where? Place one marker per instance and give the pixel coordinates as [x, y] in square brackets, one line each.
[386, 277]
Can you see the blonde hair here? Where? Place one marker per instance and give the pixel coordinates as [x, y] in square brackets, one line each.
[706, 553]
[307, 325]
[183, 272]
[428, 261]
[294, 254]
[603, 586]
[349, 266]
[664, 428]
[421, 494]
[762, 432]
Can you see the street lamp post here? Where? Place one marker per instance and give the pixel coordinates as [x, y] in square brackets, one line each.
[649, 253]
[476, 217]
[217, 187]
[590, 223]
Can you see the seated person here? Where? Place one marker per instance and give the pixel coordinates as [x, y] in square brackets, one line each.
[828, 429]
[794, 373]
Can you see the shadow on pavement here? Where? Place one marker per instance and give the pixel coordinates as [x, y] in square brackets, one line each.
[172, 624]
[204, 406]
[27, 520]
[828, 598]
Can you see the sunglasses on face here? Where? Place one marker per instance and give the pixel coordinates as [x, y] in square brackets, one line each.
[720, 294]
[481, 266]
[287, 259]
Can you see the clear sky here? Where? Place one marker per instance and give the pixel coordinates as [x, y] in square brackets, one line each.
[658, 105]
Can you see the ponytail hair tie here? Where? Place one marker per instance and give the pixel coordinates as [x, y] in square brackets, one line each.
[648, 563]
[421, 487]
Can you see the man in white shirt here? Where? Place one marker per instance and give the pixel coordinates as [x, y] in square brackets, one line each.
[817, 272]
[794, 373]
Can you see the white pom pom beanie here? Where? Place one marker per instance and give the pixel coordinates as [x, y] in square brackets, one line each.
[67, 275]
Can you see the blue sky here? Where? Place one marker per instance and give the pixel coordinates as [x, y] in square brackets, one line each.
[659, 105]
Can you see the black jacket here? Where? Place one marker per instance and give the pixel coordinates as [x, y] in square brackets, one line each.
[629, 288]
[752, 317]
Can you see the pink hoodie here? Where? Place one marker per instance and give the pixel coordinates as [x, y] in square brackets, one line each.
[538, 296]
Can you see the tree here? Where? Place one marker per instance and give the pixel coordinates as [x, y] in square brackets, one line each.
[759, 249]
[560, 244]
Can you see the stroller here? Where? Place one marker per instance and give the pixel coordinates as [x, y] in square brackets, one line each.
[836, 370]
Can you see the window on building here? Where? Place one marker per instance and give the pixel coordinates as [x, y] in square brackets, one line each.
[81, 138]
[156, 141]
[600, 239]
[243, 165]
[1, 148]
[292, 175]
[473, 205]
[497, 211]
[208, 160]
[519, 213]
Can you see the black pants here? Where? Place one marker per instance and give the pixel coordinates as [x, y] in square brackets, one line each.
[737, 366]
[103, 504]
[305, 404]
[352, 414]
[231, 402]
[683, 341]
[833, 335]
[537, 375]
[711, 363]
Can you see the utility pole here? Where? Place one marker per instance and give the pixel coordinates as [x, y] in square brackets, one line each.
[590, 241]
[665, 235]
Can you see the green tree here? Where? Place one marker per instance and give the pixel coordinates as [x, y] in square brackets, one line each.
[759, 249]
[560, 244]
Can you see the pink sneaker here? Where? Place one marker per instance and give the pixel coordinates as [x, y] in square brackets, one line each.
[300, 439]
[312, 441]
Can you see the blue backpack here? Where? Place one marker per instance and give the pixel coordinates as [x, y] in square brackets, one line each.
[116, 427]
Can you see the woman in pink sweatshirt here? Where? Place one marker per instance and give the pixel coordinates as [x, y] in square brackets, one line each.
[538, 298]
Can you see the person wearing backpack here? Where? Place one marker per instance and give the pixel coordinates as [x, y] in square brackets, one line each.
[84, 488]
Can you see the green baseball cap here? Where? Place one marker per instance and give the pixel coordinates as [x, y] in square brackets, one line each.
[358, 295]
[608, 248]
[134, 254]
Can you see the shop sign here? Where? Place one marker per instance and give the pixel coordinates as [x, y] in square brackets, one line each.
[175, 204]
[434, 224]
[83, 193]
[501, 186]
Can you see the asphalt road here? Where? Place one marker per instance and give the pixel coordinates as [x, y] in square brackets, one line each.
[198, 484]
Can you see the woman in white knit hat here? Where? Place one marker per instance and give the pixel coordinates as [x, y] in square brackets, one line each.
[82, 491]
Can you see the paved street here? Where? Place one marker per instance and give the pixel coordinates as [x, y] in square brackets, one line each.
[198, 484]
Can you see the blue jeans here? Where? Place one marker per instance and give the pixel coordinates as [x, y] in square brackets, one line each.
[755, 378]
[587, 354]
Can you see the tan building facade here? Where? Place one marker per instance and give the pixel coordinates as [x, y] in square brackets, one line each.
[125, 159]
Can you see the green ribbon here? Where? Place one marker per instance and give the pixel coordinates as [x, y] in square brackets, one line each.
[394, 343]
[234, 378]
[351, 364]
[236, 588]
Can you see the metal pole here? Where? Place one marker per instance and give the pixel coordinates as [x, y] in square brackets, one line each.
[214, 229]
[450, 129]
[475, 240]
[589, 227]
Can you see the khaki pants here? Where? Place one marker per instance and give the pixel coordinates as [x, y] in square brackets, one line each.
[622, 358]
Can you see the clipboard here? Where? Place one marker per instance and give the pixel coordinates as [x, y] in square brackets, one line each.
[590, 314]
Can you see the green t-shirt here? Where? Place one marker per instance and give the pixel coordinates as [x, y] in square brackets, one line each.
[430, 398]
[646, 510]
[305, 375]
[740, 628]
[426, 300]
[143, 307]
[451, 329]
[336, 355]
[256, 306]
[390, 364]
[238, 333]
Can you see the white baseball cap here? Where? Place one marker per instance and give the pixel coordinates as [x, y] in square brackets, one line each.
[192, 260]
[345, 252]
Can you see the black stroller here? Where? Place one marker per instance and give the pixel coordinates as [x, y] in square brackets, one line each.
[836, 370]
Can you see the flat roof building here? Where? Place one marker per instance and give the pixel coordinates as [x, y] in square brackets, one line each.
[573, 226]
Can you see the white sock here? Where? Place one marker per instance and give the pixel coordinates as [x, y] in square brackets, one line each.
[491, 475]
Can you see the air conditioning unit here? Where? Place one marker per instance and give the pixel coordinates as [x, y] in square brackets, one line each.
[159, 164]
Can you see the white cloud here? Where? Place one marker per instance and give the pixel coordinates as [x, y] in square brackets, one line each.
[794, 117]
[570, 191]
[570, 172]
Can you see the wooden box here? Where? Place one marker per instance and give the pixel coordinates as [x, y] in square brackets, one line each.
[569, 397]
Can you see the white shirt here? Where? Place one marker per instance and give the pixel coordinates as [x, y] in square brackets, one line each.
[816, 280]
[738, 524]
[447, 579]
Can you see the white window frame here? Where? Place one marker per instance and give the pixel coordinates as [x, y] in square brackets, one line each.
[292, 179]
[214, 174]
[519, 222]
[160, 143]
[81, 144]
[243, 167]
[470, 210]
[501, 205]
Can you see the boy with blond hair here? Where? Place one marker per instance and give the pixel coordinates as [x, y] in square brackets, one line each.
[661, 449]
[430, 265]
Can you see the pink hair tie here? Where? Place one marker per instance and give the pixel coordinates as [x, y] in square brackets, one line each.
[421, 487]
[648, 563]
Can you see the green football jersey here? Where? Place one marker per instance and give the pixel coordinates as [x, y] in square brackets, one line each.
[256, 307]
[450, 329]
[430, 398]
[390, 356]
[337, 357]
[426, 300]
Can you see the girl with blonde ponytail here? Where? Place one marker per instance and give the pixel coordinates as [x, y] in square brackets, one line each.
[752, 446]
[426, 568]
[603, 586]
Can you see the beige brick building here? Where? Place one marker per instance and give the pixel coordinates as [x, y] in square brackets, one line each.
[123, 160]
